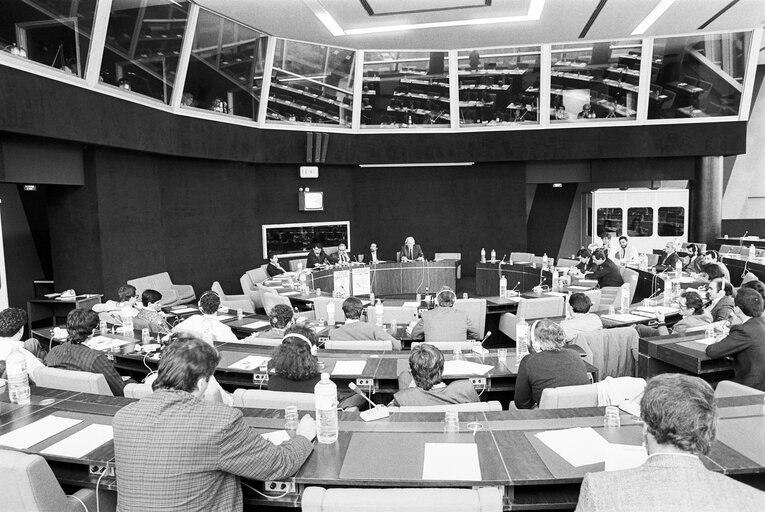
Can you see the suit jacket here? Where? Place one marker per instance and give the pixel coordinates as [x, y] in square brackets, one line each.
[668, 260]
[694, 265]
[368, 257]
[416, 252]
[444, 324]
[179, 453]
[607, 274]
[746, 343]
[723, 309]
[272, 270]
[457, 392]
[666, 482]
[356, 331]
[321, 259]
[585, 267]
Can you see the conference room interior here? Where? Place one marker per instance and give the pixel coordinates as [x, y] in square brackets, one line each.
[179, 170]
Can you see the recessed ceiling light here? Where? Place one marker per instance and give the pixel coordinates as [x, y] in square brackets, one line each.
[324, 16]
[654, 15]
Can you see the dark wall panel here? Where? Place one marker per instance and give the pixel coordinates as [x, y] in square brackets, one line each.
[737, 227]
[40, 160]
[548, 217]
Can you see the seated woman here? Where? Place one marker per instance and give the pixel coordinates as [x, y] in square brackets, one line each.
[422, 384]
[280, 317]
[151, 313]
[73, 355]
[548, 365]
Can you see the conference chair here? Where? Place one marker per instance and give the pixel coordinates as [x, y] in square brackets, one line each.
[446, 346]
[298, 262]
[476, 310]
[614, 352]
[451, 256]
[320, 308]
[521, 257]
[666, 105]
[727, 249]
[399, 314]
[539, 260]
[531, 309]
[594, 296]
[233, 302]
[728, 388]
[566, 397]
[631, 277]
[609, 296]
[482, 499]
[364, 345]
[492, 405]
[29, 485]
[172, 294]
[652, 259]
[264, 399]
[262, 342]
[272, 299]
[71, 380]
[690, 80]
[566, 262]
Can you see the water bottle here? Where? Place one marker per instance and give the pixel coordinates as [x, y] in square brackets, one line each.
[379, 312]
[18, 380]
[678, 269]
[127, 321]
[502, 287]
[483, 255]
[325, 392]
[493, 255]
[303, 285]
[330, 313]
[372, 298]
[752, 252]
[567, 308]
[555, 280]
[521, 339]
[545, 260]
[625, 303]
[207, 335]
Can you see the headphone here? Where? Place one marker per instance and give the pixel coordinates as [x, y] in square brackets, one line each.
[534, 343]
[454, 295]
[314, 348]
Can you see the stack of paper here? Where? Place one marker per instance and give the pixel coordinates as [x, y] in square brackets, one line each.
[29, 435]
[451, 461]
[349, 367]
[256, 325]
[83, 442]
[105, 343]
[624, 318]
[579, 446]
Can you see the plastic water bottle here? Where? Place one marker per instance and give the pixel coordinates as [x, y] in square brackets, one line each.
[372, 298]
[545, 260]
[567, 308]
[521, 339]
[625, 303]
[493, 255]
[207, 335]
[303, 285]
[483, 255]
[18, 380]
[127, 321]
[325, 392]
[752, 252]
[502, 287]
[379, 312]
[330, 313]
[555, 280]
[678, 269]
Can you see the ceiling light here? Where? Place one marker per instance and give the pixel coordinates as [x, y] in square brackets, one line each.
[423, 164]
[654, 15]
[324, 16]
[557, 185]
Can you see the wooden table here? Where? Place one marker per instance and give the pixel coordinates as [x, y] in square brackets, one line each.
[40, 309]
[678, 353]
[520, 276]
[737, 265]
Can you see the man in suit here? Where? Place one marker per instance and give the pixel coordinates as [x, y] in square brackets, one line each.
[745, 342]
[627, 254]
[274, 268]
[721, 294]
[680, 421]
[585, 261]
[695, 260]
[342, 257]
[445, 323]
[606, 271]
[422, 384]
[669, 258]
[178, 452]
[410, 251]
[374, 255]
[317, 257]
[354, 329]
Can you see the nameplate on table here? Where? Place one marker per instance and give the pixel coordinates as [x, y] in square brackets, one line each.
[83, 442]
[451, 461]
[462, 367]
[258, 324]
[37, 432]
[250, 363]
[349, 367]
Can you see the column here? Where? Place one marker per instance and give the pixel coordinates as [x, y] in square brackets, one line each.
[706, 200]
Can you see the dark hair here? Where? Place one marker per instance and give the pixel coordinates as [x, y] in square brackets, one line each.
[623, 237]
[80, 324]
[11, 320]
[209, 302]
[293, 358]
[599, 254]
[271, 255]
[712, 270]
[342, 243]
[126, 292]
[352, 308]
[580, 302]
[185, 361]
[718, 284]
[426, 363]
[280, 316]
[692, 248]
[315, 245]
[583, 253]
[694, 302]
[680, 410]
[749, 302]
[150, 297]
[757, 286]
[715, 254]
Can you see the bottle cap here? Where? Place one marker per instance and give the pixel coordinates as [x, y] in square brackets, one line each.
[324, 376]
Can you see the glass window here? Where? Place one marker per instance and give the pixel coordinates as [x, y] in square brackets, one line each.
[609, 219]
[499, 86]
[671, 221]
[594, 81]
[143, 42]
[699, 76]
[640, 221]
[225, 71]
[311, 84]
[55, 32]
[403, 89]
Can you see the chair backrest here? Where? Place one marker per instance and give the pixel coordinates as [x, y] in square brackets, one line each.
[594, 296]
[71, 380]
[492, 405]
[726, 388]
[725, 249]
[366, 345]
[159, 282]
[539, 260]
[401, 314]
[652, 259]
[258, 275]
[320, 308]
[609, 296]
[263, 342]
[476, 310]
[217, 288]
[482, 499]
[614, 352]
[566, 262]
[447, 346]
[585, 395]
[272, 299]
[136, 390]
[543, 307]
[521, 256]
[109, 318]
[301, 262]
[448, 256]
[630, 276]
[670, 99]
[28, 484]
[264, 399]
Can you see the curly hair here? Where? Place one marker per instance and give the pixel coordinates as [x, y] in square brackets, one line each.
[184, 361]
[126, 292]
[293, 360]
[426, 363]
[11, 320]
[80, 324]
[280, 316]
[209, 302]
[693, 301]
[548, 336]
[680, 410]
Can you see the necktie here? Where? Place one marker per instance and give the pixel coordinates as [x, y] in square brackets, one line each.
[411, 252]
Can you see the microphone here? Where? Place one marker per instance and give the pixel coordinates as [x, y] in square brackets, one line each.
[502, 260]
[478, 348]
[515, 287]
[486, 336]
[356, 390]
[376, 412]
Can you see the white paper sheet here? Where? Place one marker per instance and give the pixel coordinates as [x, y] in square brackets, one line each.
[556, 294]
[348, 367]
[290, 293]
[575, 287]
[654, 309]
[277, 437]
[624, 317]
[83, 442]
[250, 363]
[706, 341]
[223, 318]
[451, 461]
[105, 343]
[624, 456]
[578, 446]
[256, 325]
[411, 304]
[182, 311]
[462, 367]
[632, 408]
[29, 435]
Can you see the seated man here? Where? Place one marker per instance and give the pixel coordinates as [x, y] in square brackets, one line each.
[680, 422]
[274, 268]
[422, 384]
[317, 257]
[342, 257]
[721, 294]
[606, 271]
[73, 355]
[745, 342]
[627, 253]
[151, 312]
[581, 319]
[353, 329]
[444, 323]
[695, 259]
[209, 303]
[12, 324]
[280, 317]
[374, 254]
[126, 296]
[585, 261]
[205, 446]
[549, 365]
[411, 251]
[669, 258]
[711, 257]
[692, 310]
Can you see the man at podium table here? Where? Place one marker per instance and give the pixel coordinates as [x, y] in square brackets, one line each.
[410, 251]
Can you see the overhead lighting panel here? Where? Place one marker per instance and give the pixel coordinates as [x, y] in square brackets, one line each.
[654, 15]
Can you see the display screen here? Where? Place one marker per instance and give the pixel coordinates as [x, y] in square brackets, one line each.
[298, 238]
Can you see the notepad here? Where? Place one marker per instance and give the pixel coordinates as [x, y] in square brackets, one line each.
[29, 435]
[249, 363]
[451, 461]
[349, 367]
[462, 367]
[277, 437]
[83, 442]
[624, 456]
[578, 446]
[256, 325]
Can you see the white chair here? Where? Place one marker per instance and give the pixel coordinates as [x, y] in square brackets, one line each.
[446, 346]
[609, 296]
[631, 277]
[233, 302]
[492, 405]
[250, 282]
[482, 499]
[565, 262]
[263, 342]
[519, 257]
[727, 388]
[401, 314]
[264, 399]
[172, 294]
[272, 299]
[136, 390]
[476, 310]
[298, 263]
[652, 259]
[71, 380]
[29, 485]
[320, 308]
[363, 345]
[451, 256]
[531, 309]
[594, 296]
[567, 397]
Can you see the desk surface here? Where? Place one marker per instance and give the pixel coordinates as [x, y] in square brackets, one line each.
[680, 353]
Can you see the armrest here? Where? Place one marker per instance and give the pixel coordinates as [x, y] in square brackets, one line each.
[245, 305]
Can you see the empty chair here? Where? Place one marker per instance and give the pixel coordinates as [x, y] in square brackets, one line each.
[262, 342]
[320, 308]
[482, 499]
[652, 259]
[565, 262]
[250, 282]
[492, 405]
[594, 296]
[399, 314]
[667, 104]
[690, 80]
[272, 299]
[476, 310]
[366, 345]
[234, 302]
[298, 264]
[71, 380]
[609, 296]
[539, 260]
[565, 397]
[519, 257]
[264, 399]
[172, 294]
[631, 277]
[531, 309]
[29, 485]
[447, 346]
[451, 256]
